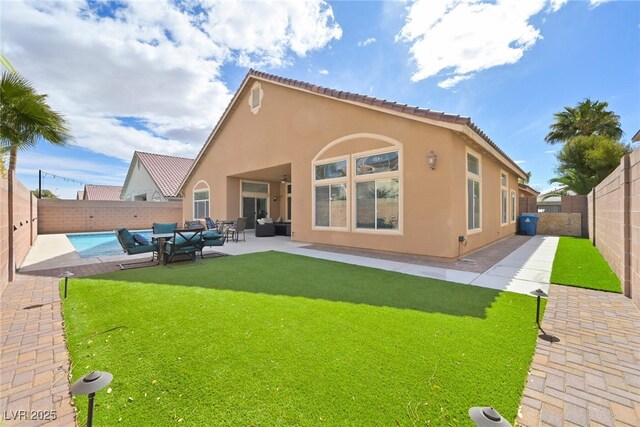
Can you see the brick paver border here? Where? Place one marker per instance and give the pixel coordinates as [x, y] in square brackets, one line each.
[591, 376]
[34, 362]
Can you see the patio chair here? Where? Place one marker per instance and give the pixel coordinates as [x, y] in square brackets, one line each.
[211, 224]
[135, 244]
[164, 227]
[236, 228]
[184, 242]
[211, 238]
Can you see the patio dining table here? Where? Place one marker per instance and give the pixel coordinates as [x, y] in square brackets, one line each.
[160, 238]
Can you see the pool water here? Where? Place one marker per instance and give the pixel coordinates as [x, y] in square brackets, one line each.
[100, 244]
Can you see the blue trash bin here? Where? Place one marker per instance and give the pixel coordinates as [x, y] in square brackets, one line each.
[528, 224]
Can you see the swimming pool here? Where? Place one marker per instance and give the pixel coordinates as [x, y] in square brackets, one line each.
[99, 244]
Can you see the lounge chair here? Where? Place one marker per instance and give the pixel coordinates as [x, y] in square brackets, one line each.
[135, 244]
[236, 228]
[265, 228]
[184, 242]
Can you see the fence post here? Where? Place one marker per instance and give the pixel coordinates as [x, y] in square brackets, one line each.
[626, 227]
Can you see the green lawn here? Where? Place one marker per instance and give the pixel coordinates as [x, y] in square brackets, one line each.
[278, 339]
[579, 263]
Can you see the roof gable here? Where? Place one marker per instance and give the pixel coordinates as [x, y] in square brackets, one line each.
[167, 172]
[461, 124]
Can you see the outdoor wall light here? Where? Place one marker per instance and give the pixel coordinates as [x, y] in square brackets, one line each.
[66, 276]
[432, 158]
[90, 384]
[487, 417]
[538, 293]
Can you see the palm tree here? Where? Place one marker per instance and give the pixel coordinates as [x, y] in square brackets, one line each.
[26, 118]
[587, 118]
[571, 180]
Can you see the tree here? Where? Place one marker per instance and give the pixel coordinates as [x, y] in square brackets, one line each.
[586, 119]
[26, 118]
[584, 161]
[46, 194]
[3, 164]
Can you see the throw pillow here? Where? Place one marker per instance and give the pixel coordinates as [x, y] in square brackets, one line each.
[261, 221]
[140, 239]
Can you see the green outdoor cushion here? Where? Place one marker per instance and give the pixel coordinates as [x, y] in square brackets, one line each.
[162, 228]
[211, 235]
[213, 242]
[127, 238]
[140, 249]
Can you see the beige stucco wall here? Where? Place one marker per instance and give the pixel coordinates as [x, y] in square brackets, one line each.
[292, 127]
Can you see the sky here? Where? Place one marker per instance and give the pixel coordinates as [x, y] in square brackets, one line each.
[156, 75]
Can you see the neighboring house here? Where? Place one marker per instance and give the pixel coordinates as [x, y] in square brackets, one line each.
[101, 192]
[155, 177]
[351, 170]
[636, 137]
[80, 195]
[525, 191]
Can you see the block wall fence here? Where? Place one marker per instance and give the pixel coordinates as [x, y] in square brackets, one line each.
[79, 216]
[18, 226]
[572, 220]
[614, 222]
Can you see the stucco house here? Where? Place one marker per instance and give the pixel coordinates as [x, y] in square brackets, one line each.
[352, 170]
[525, 191]
[155, 177]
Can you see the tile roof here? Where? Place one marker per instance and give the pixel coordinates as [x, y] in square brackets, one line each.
[102, 192]
[383, 103]
[166, 171]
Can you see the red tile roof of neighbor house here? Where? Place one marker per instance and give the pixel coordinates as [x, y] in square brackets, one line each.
[166, 171]
[102, 192]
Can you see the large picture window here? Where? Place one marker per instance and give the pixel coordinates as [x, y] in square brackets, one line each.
[474, 200]
[358, 192]
[201, 203]
[331, 194]
[377, 204]
[331, 206]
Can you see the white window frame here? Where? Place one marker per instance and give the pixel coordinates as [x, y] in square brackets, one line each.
[504, 187]
[328, 182]
[375, 177]
[514, 206]
[478, 178]
[208, 200]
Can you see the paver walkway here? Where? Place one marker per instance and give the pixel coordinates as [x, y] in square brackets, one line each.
[591, 376]
[34, 364]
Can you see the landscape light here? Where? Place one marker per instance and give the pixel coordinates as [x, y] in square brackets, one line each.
[538, 293]
[487, 417]
[66, 276]
[90, 384]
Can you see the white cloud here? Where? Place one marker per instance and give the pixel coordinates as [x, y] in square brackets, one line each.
[551, 151]
[596, 3]
[452, 81]
[323, 71]
[519, 162]
[366, 42]
[555, 5]
[461, 37]
[159, 63]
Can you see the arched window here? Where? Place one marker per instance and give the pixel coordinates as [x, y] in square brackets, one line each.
[201, 200]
